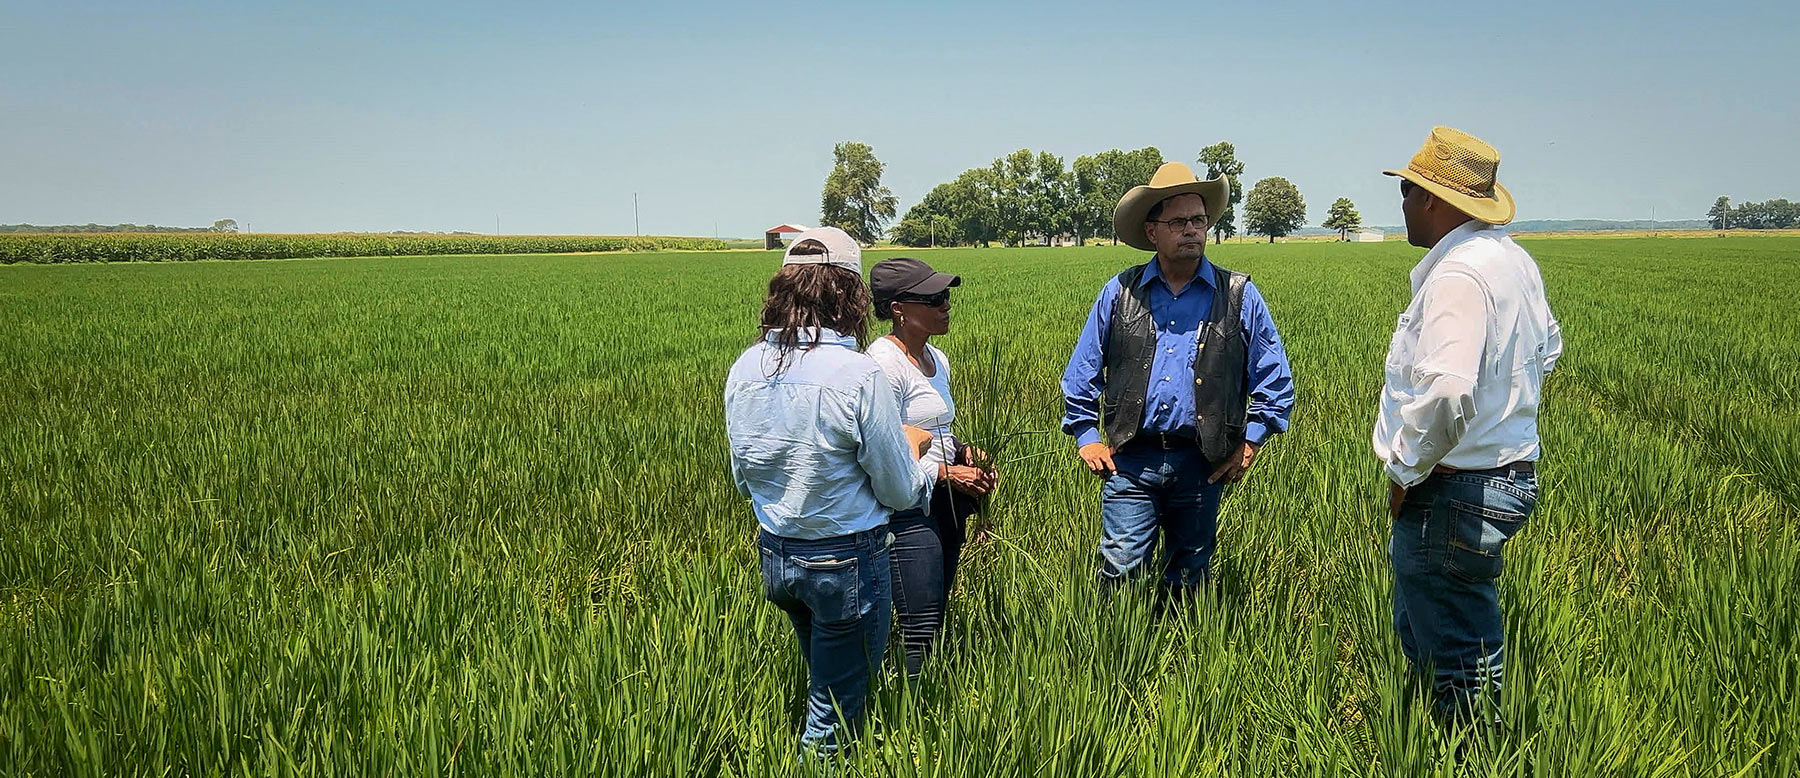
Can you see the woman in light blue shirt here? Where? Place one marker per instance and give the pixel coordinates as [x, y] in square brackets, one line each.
[818, 447]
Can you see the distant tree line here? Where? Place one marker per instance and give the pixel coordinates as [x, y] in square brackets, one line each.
[222, 225]
[1035, 197]
[1771, 215]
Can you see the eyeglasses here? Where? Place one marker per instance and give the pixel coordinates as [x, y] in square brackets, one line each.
[938, 300]
[1179, 223]
[1406, 187]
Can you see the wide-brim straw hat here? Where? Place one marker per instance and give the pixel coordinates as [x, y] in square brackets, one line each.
[1172, 179]
[1461, 170]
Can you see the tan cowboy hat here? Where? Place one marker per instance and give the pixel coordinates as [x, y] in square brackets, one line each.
[1459, 169]
[1172, 179]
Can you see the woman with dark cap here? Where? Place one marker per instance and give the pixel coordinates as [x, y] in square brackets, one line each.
[927, 539]
[818, 446]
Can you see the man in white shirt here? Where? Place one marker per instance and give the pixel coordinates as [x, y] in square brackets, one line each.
[1457, 428]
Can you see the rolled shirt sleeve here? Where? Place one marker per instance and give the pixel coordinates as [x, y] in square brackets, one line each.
[1452, 339]
[1082, 381]
[1270, 379]
[894, 475]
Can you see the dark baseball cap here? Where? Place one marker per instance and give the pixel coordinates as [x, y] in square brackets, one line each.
[891, 278]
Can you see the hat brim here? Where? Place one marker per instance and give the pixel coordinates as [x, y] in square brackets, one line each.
[937, 282]
[1134, 207]
[1498, 210]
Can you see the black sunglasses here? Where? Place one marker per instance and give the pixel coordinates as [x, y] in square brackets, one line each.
[1406, 187]
[936, 300]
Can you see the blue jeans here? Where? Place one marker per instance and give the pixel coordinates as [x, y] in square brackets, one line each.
[836, 593]
[1447, 551]
[1155, 489]
[927, 548]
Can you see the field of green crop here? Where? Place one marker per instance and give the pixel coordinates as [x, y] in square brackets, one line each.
[472, 515]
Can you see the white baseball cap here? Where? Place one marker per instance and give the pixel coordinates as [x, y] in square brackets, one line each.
[841, 250]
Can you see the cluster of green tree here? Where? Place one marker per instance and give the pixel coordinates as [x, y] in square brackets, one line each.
[1029, 196]
[222, 225]
[1776, 214]
[1026, 197]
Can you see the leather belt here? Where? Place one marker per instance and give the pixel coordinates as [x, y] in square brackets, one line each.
[1521, 466]
[1164, 441]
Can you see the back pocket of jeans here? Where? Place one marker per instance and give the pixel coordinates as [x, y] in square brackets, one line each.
[1478, 535]
[831, 589]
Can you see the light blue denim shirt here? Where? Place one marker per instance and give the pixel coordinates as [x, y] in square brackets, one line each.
[817, 445]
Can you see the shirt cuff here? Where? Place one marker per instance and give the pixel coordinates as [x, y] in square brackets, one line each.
[1407, 478]
[1085, 434]
[1257, 433]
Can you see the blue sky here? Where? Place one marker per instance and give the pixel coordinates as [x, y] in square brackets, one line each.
[721, 116]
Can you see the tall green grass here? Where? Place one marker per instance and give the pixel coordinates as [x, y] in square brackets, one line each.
[471, 515]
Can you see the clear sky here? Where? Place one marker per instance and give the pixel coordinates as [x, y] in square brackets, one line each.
[330, 115]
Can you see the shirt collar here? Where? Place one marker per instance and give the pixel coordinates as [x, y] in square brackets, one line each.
[1203, 273]
[1463, 232]
[810, 336]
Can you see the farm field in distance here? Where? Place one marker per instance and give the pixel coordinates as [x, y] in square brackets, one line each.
[472, 515]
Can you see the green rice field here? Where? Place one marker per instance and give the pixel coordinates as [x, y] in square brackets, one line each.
[471, 515]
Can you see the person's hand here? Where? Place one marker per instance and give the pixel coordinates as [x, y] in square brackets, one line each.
[1098, 457]
[972, 481]
[1236, 464]
[1396, 496]
[970, 455]
[919, 439]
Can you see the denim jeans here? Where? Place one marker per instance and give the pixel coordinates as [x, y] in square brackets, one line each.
[1447, 550]
[927, 548]
[1156, 489]
[836, 593]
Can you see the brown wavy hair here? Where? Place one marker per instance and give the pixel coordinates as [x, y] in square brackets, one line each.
[808, 297]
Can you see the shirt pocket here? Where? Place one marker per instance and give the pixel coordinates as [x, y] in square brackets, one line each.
[1400, 349]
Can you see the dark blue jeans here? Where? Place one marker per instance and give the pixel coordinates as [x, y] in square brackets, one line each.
[927, 548]
[1447, 550]
[1153, 490]
[836, 592]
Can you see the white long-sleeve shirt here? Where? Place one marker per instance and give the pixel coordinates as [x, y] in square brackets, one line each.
[817, 445]
[1466, 365]
[925, 402]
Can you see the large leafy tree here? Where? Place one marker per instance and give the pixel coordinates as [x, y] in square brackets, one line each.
[1221, 159]
[1100, 180]
[854, 199]
[1274, 208]
[954, 213]
[1343, 218]
[1049, 209]
[1720, 215]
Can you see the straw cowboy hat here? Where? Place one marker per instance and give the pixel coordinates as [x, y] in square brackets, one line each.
[1172, 179]
[1459, 169]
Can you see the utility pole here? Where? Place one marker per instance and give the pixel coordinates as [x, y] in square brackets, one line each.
[634, 215]
[496, 224]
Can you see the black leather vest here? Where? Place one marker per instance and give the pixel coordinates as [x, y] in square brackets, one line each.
[1221, 365]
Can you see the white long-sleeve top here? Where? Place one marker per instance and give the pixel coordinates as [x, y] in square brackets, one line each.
[1466, 365]
[925, 401]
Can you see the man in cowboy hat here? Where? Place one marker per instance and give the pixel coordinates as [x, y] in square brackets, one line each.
[1184, 359]
[1457, 424]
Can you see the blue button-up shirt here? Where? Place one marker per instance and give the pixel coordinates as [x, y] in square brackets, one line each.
[1169, 405]
[817, 445]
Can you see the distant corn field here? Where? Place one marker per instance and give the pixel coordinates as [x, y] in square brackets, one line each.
[472, 515]
[180, 247]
